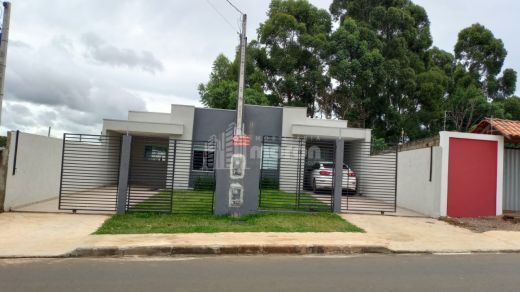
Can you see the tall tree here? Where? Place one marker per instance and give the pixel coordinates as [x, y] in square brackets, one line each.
[221, 91]
[356, 67]
[479, 58]
[403, 29]
[483, 55]
[293, 38]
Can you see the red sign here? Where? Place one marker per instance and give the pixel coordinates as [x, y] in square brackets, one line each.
[241, 140]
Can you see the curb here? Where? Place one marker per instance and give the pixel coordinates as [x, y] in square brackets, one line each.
[227, 250]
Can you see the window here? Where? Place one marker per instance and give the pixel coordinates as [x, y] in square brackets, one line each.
[270, 156]
[155, 153]
[203, 159]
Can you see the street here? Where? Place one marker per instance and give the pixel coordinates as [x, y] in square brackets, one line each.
[267, 273]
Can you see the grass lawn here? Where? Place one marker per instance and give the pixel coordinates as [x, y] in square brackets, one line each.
[183, 201]
[280, 200]
[139, 223]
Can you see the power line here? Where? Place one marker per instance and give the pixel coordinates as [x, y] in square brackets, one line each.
[233, 5]
[222, 16]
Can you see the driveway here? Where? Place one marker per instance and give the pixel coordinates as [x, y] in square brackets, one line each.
[37, 234]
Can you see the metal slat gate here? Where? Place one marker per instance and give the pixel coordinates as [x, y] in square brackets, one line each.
[89, 172]
[512, 179]
[297, 174]
[286, 182]
[375, 174]
[165, 175]
[171, 176]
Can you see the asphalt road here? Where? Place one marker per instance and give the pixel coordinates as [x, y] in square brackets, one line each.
[267, 273]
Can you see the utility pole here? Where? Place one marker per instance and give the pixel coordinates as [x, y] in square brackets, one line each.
[444, 124]
[3, 51]
[241, 77]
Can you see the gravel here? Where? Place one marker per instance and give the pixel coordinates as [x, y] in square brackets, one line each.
[483, 224]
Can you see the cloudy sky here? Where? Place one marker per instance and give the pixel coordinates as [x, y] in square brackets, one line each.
[73, 62]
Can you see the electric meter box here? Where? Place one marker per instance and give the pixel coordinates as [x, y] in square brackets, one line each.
[236, 195]
[238, 166]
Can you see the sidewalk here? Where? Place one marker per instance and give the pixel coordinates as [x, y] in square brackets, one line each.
[384, 234]
[51, 235]
[44, 235]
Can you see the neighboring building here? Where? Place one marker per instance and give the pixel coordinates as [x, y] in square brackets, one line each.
[510, 130]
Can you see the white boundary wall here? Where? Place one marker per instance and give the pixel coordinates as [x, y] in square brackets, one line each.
[415, 191]
[38, 170]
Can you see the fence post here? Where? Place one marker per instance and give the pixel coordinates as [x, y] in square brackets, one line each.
[124, 166]
[338, 173]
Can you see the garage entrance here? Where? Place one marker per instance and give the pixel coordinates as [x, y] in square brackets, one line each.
[299, 174]
[373, 172]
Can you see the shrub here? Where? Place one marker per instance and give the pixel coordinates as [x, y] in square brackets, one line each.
[270, 183]
[204, 183]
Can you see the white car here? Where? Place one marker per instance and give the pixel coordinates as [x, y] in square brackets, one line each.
[322, 174]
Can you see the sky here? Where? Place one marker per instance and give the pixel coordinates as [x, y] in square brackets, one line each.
[72, 63]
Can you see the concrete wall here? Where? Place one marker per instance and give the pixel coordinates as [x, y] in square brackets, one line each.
[149, 117]
[415, 191]
[38, 169]
[211, 122]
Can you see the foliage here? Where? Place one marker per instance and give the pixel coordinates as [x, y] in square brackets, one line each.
[140, 223]
[373, 64]
[3, 141]
[204, 183]
[270, 183]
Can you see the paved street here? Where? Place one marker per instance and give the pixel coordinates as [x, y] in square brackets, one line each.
[267, 273]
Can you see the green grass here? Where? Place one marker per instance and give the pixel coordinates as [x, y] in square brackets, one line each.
[280, 200]
[183, 201]
[140, 223]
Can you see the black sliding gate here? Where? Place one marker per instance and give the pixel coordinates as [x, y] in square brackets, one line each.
[165, 175]
[287, 182]
[297, 174]
[171, 176]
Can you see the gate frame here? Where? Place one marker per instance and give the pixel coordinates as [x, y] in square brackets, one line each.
[300, 180]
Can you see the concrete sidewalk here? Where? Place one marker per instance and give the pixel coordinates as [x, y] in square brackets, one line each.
[384, 234]
[44, 235]
[29, 235]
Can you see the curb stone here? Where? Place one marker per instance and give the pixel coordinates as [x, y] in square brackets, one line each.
[225, 250]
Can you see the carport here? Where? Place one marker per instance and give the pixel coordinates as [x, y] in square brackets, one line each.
[315, 150]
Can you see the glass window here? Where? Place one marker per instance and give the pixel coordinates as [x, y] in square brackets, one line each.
[270, 156]
[155, 153]
[203, 160]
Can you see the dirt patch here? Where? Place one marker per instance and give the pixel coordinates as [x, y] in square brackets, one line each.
[483, 224]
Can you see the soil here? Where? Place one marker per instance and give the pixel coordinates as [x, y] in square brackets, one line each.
[483, 224]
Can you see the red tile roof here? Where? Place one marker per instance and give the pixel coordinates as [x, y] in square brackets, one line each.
[510, 129]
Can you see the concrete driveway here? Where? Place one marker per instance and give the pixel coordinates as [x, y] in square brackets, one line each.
[38, 234]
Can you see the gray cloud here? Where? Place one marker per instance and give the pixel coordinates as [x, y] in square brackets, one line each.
[104, 53]
[60, 92]
[70, 63]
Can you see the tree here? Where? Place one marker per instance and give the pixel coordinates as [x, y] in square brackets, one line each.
[403, 30]
[483, 55]
[508, 108]
[293, 39]
[356, 65]
[475, 85]
[221, 91]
